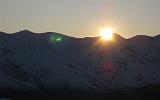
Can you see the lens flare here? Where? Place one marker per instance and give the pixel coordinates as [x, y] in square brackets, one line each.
[58, 39]
[108, 69]
[55, 39]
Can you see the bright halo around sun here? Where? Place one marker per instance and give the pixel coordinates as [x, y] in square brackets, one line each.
[106, 34]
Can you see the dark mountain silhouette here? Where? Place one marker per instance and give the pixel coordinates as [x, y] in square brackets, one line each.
[44, 61]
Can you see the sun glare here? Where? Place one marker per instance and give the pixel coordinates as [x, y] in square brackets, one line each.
[106, 34]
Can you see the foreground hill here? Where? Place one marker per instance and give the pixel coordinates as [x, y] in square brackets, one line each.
[31, 61]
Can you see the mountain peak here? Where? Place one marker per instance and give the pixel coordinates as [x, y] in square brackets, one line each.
[157, 36]
[140, 38]
[117, 36]
[25, 31]
[3, 34]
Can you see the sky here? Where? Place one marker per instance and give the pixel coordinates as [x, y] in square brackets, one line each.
[81, 18]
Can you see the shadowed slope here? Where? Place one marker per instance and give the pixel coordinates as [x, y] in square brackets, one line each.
[43, 61]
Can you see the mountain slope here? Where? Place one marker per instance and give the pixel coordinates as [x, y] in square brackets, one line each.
[52, 60]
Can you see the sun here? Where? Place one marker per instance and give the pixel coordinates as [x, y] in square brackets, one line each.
[106, 34]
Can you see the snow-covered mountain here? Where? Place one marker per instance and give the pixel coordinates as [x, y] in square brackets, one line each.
[52, 60]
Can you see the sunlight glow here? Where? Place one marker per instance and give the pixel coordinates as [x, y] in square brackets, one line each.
[106, 34]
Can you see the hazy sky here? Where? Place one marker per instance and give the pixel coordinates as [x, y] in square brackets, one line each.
[81, 18]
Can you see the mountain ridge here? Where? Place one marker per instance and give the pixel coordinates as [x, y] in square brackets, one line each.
[115, 34]
[35, 61]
